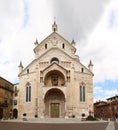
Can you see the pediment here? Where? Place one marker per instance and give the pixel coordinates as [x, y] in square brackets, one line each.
[53, 67]
[54, 37]
[54, 40]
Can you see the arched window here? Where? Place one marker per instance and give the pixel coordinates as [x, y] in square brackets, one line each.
[82, 70]
[82, 92]
[63, 45]
[45, 46]
[28, 92]
[27, 71]
[54, 60]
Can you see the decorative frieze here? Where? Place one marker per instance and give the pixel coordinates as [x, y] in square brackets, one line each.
[43, 64]
[66, 64]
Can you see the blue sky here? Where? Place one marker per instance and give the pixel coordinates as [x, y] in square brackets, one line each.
[105, 89]
[94, 27]
[26, 13]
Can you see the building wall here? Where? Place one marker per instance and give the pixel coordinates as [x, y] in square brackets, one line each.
[6, 98]
[70, 89]
[15, 100]
[107, 109]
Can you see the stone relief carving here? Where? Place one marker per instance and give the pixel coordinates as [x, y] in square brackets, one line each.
[54, 41]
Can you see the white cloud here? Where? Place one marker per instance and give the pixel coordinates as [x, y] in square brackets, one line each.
[21, 23]
[98, 89]
[102, 46]
[101, 93]
[24, 21]
[11, 13]
[110, 93]
[77, 18]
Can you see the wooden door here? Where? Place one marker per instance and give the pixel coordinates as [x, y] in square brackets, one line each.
[54, 111]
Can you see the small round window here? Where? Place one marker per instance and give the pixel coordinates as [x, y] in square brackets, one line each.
[54, 60]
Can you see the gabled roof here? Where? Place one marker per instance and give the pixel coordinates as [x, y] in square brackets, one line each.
[55, 49]
[26, 67]
[53, 64]
[114, 97]
[6, 80]
[64, 52]
[35, 60]
[86, 68]
[55, 33]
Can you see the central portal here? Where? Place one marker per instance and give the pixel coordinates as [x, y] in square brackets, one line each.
[54, 103]
[54, 112]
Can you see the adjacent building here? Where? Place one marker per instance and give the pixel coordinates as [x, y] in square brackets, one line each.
[6, 97]
[15, 101]
[107, 109]
[55, 84]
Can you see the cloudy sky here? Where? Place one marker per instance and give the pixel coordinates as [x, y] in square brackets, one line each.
[92, 23]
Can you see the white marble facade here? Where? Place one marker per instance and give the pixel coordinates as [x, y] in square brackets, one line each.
[55, 84]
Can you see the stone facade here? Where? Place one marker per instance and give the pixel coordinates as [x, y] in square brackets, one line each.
[6, 92]
[55, 84]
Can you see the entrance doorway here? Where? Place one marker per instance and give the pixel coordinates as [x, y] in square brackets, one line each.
[54, 103]
[54, 110]
[1, 113]
[15, 113]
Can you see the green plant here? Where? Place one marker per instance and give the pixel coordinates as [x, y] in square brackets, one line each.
[91, 118]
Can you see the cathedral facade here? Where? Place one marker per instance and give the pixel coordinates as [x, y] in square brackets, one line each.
[55, 84]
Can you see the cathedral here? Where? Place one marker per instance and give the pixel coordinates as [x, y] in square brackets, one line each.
[55, 84]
